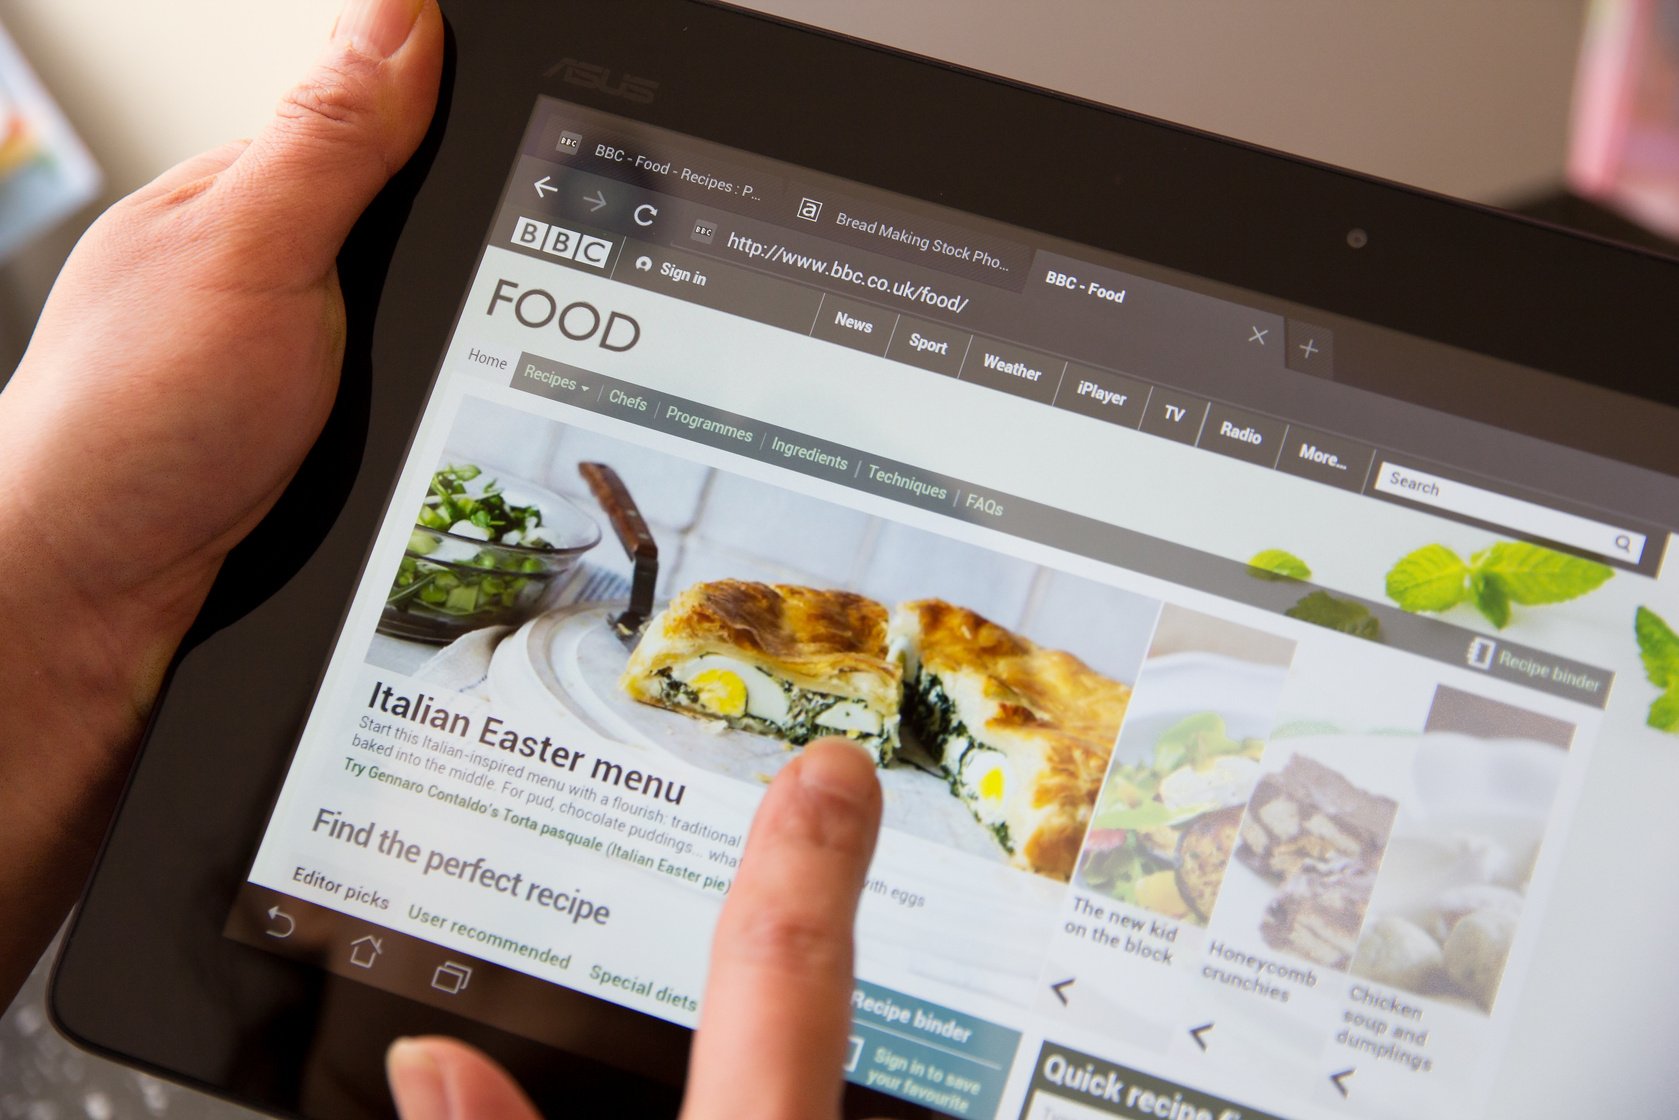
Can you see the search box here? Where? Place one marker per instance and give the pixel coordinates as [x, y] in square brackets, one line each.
[1513, 513]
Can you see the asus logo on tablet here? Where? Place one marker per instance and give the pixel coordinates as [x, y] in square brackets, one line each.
[592, 75]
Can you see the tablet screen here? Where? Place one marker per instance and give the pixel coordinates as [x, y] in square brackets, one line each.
[1252, 730]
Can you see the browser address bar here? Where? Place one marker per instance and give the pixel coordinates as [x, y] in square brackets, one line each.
[1524, 517]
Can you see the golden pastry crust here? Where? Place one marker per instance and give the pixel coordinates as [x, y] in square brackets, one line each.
[826, 641]
[1040, 702]
[1043, 690]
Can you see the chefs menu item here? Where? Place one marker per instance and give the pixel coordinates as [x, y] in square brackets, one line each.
[793, 662]
[1023, 733]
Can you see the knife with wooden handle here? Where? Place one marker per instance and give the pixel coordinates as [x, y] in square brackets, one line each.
[614, 497]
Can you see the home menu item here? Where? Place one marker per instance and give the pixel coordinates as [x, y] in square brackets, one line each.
[1240, 732]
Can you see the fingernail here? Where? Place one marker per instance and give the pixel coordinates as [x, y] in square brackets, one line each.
[377, 27]
[830, 771]
[416, 1081]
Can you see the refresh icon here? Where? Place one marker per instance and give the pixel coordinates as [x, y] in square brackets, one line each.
[645, 213]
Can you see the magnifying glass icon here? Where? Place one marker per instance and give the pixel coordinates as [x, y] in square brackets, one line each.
[1624, 543]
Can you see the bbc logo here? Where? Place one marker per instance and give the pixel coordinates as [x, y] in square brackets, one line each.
[567, 244]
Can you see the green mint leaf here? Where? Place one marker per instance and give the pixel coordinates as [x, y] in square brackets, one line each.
[1530, 574]
[1490, 597]
[1664, 713]
[1429, 579]
[1274, 563]
[1323, 609]
[1658, 645]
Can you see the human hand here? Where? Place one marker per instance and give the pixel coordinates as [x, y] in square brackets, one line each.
[185, 362]
[779, 994]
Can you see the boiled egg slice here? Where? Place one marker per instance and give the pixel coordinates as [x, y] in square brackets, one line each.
[733, 688]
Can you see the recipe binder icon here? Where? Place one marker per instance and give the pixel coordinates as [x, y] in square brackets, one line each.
[1480, 653]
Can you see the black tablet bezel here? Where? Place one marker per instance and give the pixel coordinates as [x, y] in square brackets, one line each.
[198, 1007]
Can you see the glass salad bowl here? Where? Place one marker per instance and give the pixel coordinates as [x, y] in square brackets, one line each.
[487, 549]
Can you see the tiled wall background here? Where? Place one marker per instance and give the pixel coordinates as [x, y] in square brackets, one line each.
[712, 524]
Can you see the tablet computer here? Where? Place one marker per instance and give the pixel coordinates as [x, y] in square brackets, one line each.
[1253, 579]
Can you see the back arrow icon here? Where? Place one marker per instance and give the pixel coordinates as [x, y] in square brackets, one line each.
[1340, 1079]
[1197, 1032]
[595, 201]
[1060, 989]
[544, 187]
[275, 914]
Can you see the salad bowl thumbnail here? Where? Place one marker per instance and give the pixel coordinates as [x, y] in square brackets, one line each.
[486, 550]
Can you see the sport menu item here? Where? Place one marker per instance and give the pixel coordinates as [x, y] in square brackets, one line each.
[1250, 729]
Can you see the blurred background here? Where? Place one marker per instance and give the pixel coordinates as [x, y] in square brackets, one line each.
[1465, 97]
[1470, 98]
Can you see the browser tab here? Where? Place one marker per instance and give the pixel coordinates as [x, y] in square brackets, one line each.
[917, 237]
[997, 365]
[1243, 435]
[1106, 396]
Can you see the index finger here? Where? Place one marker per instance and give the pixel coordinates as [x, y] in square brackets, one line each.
[777, 1004]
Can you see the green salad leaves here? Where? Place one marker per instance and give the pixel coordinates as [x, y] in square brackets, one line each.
[1434, 579]
[444, 575]
[449, 503]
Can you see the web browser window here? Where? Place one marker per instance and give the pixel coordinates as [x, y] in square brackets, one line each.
[1247, 739]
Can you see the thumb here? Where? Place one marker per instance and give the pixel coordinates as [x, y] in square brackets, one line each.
[441, 1079]
[340, 134]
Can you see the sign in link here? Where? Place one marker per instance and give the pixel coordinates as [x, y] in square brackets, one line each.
[567, 244]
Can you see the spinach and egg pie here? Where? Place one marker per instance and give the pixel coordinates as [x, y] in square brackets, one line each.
[1023, 733]
[797, 663]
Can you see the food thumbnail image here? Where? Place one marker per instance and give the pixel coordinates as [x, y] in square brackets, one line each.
[989, 689]
[1170, 810]
[1454, 884]
[1319, 839]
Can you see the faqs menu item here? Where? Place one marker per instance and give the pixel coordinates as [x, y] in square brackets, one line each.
[1023, 733]
[796, 663]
